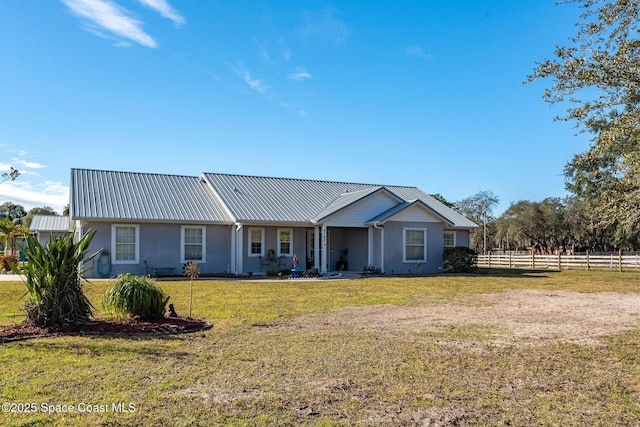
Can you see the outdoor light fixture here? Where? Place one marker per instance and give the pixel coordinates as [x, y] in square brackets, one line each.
[10, 175]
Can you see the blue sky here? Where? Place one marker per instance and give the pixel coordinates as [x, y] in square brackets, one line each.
[423, 93]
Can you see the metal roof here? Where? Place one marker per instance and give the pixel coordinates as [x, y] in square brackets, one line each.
[285, 200]
[97, 194]
[226, 198]
[52, 223]
[280, 200]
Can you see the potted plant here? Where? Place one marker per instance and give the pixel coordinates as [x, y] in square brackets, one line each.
[343, 264]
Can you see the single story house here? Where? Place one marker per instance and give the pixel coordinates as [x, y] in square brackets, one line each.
[46, 226]
[154, 223]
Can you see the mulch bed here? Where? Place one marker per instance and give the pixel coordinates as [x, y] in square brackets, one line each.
[105, 327]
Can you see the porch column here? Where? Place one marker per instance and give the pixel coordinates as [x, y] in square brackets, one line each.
[370, 246]
[232, 263]
[382, 250]
[239, 248]
[316, 248]
[323, 266]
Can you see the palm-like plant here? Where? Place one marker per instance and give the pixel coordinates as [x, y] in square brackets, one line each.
[9, 230]
[53, 277]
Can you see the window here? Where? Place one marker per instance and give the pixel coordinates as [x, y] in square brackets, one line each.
[285, 246]
[415, 245]
[125, 244]
[193, 247]
[449, 239]
[256, 242]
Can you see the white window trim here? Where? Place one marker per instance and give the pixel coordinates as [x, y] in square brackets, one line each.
[290, 230]
[261, 242]
[204, 244]
[404, 246]
[113, 244]
[455, 237]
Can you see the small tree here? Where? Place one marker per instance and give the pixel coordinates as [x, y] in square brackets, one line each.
[53, 277]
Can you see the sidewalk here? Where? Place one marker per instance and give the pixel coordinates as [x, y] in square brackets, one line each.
[11, 277]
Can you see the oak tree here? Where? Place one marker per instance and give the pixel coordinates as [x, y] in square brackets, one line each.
[597, 74]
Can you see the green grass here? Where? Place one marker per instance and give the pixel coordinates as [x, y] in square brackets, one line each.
[246, 372]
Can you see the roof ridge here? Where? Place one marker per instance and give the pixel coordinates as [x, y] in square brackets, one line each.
[136, 173]
[308, 180]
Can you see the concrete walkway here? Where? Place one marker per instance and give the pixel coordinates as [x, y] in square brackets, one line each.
[11, 277]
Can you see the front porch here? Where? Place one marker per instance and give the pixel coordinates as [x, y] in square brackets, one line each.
[342, 249]
[322, 249]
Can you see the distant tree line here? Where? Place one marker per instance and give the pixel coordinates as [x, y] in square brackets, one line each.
[565, 224]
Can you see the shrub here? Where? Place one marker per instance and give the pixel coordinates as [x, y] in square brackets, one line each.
[133, 295]
[54, 281]
[7, 260]
[459, 260]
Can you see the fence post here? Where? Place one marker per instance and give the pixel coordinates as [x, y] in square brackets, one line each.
[588, 263]
[510, 260]
[559, 261]
[489, 255]
[533, 260]
[620, 260]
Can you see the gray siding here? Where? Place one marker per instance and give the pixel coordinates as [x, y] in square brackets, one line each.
[393, 241]
[159, 248]
[44, 236]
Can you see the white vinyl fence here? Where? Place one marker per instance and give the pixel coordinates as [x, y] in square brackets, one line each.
[614, 261]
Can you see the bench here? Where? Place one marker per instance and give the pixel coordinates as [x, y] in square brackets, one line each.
[163, 271]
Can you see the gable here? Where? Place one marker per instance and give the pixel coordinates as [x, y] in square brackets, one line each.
[360, 211]
[414, 213]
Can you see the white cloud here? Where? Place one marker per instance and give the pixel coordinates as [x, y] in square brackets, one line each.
[28, 165]
[264, 53]
[286, 54]
[300, 74]
[165, 10]
[104, 14]
[325, 26]
[417, 51]
[52, 194]
[253, 83]
[299, 111]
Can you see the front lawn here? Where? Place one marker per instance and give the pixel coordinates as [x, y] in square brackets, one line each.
[380, 351]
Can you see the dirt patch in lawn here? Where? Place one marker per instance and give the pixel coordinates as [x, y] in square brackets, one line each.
[506, 317]
[124, 328]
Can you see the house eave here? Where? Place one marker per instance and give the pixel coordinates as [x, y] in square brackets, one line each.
[150, 221]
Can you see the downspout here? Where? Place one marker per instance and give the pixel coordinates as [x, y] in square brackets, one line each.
[376, 225]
